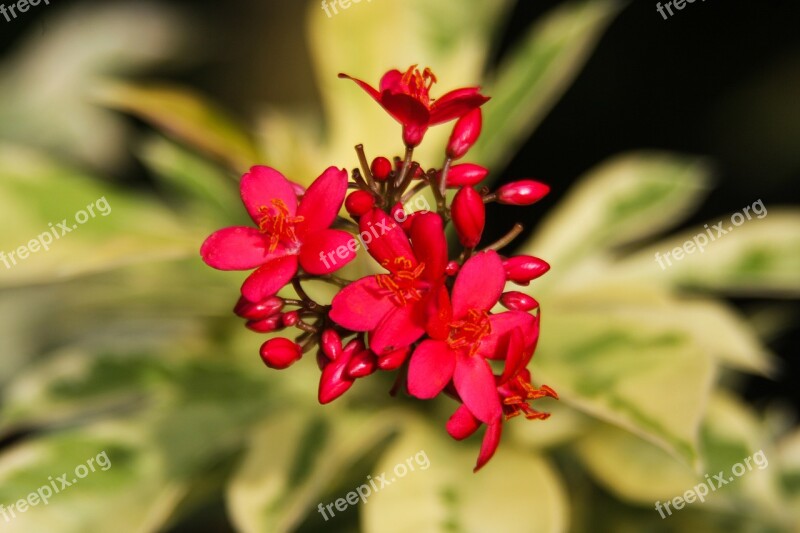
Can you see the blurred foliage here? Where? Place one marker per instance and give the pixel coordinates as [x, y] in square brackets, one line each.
[119, 340]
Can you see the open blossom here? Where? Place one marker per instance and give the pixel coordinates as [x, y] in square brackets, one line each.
[393, 307]
[464, 334]
[406, 97]
[285, 234]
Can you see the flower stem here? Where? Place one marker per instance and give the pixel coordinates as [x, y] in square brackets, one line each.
[362, 158]
[510, 236]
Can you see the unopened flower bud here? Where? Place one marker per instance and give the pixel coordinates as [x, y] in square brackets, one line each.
[465, 133]
[393, 360]
[258, 310]
[331, 343]
[381, 168]
[469, 216]
[334, 380]
[452, 268]
[290, 319]
[523, 192]
[265, 325]
[280, 353]
[362, 364]
[517, 301]
[522, 269]
[465, 175]
[359, 202]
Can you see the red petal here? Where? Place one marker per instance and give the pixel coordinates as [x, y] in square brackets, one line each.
[515, 355]
[429, 244]
[398, 328]
[391, 81]
[479, 284]
[322, 201]
[462, 424]
[327, 250]
[237, 248]
[364, 85]
[502, 324]
[489, 445]
[406, 109]
[476, 386]
[270, 278]
[361, 305]
[430, 369]
[262, 185]
[384, 238]
[439, 313]
[456, 104]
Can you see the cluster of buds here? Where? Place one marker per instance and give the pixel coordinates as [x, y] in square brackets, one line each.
[441, 324]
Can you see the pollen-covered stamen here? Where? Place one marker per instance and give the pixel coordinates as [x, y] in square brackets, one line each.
[521, 392]
[468, 332]
[276, 222]
[403, 281]
[419, 84]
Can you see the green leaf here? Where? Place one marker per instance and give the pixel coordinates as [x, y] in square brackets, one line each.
[626, 199]
[446, 496]
[186, 116]
[105, 228]
[127, 491]
[292, 458]
[762, 256]
[652, 382]
[536, 73]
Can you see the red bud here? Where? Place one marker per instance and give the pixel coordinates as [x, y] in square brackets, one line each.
[393, 360]
[381, 168]
[290, 319]
[334, 380]
[265, 325]
[465, 133]
[362, 364]
[524, 192]
[331, 344]
[465, 175]
[452, 268]
[258, 310]
[359, 203]
[517, 301]
[524, 268]
[469, 216]
[280, 353]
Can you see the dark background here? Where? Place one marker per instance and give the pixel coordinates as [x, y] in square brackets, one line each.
[719, 79]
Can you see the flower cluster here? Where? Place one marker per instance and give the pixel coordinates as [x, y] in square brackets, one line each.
[444, 325]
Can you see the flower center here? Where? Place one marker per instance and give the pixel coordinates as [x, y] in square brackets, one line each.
[468, 332]
[519, 393]
[276, 222]
[403, 282]
[419, 84]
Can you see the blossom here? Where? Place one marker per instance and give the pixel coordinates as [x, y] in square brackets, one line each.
[514, 390]
[285, 234]
[406, 97]
[393, 307]
[464, 335]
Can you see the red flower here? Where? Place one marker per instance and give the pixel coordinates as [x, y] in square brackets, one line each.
[405, 96]
[285, 233]
[514, 390]
[393, 307]
[465, 335]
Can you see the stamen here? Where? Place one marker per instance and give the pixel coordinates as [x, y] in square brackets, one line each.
[276, 222]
